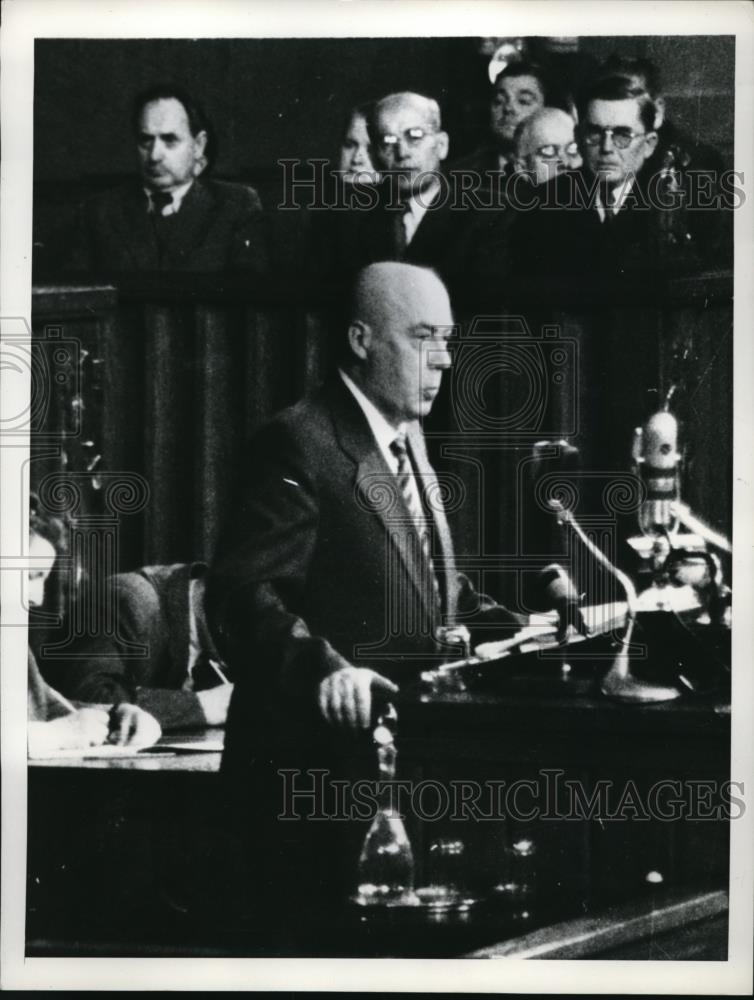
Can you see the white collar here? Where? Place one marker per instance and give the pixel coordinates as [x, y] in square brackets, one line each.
[418, 203]
[619, 193]
[383, 431]
[177, 194]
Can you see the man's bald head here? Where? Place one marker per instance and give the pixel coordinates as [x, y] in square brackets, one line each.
[389, 289]
[546, 145]
[397, 338]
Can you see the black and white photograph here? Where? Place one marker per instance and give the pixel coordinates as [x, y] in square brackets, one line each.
[376, 439]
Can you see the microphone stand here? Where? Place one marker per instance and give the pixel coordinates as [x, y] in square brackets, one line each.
[619, 683]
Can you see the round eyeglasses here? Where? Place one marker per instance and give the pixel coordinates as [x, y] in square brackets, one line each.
[621, 135]
[552, 152]
[412, 137]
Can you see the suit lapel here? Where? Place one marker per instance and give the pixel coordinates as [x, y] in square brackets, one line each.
[433, 232]
[376, 486]
[132, 224]
[189, 227]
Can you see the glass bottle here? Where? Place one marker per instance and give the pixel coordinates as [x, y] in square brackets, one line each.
[386, 863]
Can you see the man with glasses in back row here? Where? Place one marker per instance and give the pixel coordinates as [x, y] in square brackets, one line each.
[545, 146]
[616, 218]
[417, 218]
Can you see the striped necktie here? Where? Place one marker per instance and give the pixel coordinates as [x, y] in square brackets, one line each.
[410, 489]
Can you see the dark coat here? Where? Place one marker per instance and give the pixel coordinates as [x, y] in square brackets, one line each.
[563, 245]
[442, 240]
[317, 571]
[320, 568]
[146, 660]
[219, 226]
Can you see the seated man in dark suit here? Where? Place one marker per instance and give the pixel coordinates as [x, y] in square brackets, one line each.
[686, 152]
[546, 145]
[545, 148]
[417, 218]
[519, 90]
[160, 656]
[172, 218]
[339, 569]
[614, 220]
[694, 168]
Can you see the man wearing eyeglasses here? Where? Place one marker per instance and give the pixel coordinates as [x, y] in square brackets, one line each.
[615, 216]
[617, 137]
[545, 145]
[416, 219]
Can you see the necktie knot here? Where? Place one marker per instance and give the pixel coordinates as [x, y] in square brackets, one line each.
[398, 446]
[160, 200]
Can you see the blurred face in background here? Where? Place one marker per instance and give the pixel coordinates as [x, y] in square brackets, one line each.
[514, 100]
[355, 161]
[169, 155]
[410, 141]
[609, 160]
[43, 553]
[546, 146]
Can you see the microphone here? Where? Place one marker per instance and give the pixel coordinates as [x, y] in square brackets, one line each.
[657, 461]
[560, 593]
[619, 682]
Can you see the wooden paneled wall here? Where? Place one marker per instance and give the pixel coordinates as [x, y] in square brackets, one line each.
[173, 379]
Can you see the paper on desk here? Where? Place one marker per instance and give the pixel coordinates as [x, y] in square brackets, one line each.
[113, 750]
[106, 750]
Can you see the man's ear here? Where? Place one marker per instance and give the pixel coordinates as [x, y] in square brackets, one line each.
[650, 143]
[660, 111]
[442, 145]
[200, 144]
[359, 338]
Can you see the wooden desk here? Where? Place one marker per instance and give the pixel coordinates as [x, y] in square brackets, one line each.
[133, 856]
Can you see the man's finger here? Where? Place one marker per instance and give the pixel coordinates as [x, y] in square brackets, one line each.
[380, 683]
[324, 701]
[362, 703]
[336, 702]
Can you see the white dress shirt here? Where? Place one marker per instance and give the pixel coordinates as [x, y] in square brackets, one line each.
[382, 430]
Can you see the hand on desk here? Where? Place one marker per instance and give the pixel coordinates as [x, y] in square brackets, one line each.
[345, 696]
[131, 725]
[214, 703]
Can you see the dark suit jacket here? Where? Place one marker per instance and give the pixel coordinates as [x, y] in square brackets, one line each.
[319, 568]
[562, 242]
[441, 240]
[146, 661]
[219, 226]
